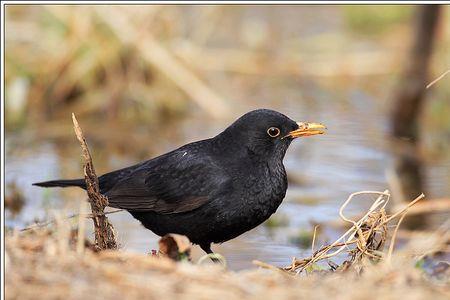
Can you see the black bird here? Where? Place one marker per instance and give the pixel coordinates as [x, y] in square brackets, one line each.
[211, 190]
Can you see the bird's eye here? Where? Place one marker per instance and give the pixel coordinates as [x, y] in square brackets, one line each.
[273, 131]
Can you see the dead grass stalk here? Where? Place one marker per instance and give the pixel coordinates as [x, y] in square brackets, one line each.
[364, 239]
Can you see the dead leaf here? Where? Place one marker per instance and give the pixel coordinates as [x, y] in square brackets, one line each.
[175, 246]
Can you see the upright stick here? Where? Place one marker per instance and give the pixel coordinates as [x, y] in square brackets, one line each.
[104, 231]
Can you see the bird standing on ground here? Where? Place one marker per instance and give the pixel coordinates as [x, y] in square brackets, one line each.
[212, 190]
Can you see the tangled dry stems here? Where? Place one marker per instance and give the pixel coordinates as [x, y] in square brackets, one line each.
[364, 239]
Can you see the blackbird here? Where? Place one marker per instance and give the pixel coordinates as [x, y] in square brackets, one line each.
[212, 190]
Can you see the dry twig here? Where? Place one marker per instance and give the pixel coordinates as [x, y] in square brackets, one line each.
[89, 216]
[437, 79]
[104, 231]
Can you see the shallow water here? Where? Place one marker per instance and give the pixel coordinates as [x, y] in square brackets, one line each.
[323, 171]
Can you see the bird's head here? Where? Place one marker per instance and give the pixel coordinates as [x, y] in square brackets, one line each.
[267, 133]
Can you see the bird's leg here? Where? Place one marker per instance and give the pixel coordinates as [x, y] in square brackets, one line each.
[207, 249]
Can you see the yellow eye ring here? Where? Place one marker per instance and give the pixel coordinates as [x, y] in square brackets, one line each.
[273, 132]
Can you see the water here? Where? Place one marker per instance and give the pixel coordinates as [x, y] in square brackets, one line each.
[323, 171]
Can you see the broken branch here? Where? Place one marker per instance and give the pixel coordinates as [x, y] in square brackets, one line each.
[104, 231]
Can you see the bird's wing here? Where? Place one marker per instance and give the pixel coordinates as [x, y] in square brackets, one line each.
[174, 183]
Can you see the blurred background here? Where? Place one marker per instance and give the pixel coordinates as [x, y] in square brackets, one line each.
[144, 80]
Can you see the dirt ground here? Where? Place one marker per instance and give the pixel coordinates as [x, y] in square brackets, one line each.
[45, 264]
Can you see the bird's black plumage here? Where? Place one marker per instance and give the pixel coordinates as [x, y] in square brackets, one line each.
[211, 190]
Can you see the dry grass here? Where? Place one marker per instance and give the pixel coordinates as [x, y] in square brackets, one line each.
[46, 263]
[40, 266]
[364, 239]
[437, 79]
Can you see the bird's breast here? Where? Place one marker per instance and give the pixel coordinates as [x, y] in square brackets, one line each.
[262, 191]
[256, 196]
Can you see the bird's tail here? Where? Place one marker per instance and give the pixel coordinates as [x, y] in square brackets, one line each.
[62, 183]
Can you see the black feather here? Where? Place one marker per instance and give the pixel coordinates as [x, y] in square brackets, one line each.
[62, 183]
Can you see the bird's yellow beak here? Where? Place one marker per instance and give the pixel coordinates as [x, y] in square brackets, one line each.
[307, 129]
